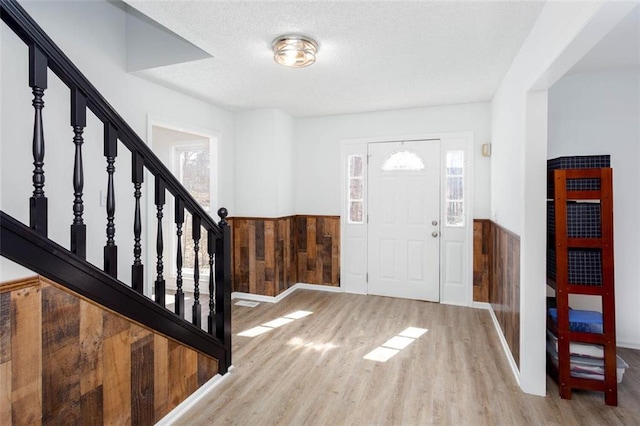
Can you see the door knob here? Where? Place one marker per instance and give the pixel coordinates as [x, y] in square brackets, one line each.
[434, 234]
[434, 223]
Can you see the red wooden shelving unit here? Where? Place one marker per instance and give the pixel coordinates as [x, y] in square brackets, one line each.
[560, 241]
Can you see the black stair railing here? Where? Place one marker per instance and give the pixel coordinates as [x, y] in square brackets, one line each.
[29, 245]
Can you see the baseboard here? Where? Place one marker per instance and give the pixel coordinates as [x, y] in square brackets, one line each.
[503, 341]
[263, 298]
[193, 399]
[628, 345]
[481, 305]
[287, 292]
[318, 287]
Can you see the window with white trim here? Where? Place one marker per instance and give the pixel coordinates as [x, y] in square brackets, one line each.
[402, 161]
[355, 189]
[454, 187]
[192, 167]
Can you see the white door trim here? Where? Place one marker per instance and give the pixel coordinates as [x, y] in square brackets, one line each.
[353, 238]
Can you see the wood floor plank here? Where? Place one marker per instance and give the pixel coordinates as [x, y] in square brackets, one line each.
[312, 371]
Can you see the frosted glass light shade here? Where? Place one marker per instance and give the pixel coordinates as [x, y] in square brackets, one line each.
[294, 50]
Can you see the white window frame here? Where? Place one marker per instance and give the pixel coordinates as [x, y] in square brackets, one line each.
[348, 188]
[169, 228]
[177, 171]
[447, 201]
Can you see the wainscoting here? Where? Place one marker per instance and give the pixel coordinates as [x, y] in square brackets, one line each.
[64, 360]
[482, 256]
[496, 277]
[272, 254]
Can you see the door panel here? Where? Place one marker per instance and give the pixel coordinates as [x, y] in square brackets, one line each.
[403, 253]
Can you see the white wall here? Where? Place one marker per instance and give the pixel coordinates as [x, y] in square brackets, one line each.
[318, 140]
[96, 44]
[597, 113]
[264, 164]
[563, 33]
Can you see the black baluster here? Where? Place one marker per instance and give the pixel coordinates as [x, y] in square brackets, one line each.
[211, 250]
[196, 309]
[38, 84]
[179, 293]
[110, 249]
[137, 269]
[160, 284]
[78, 122]
[223, 289]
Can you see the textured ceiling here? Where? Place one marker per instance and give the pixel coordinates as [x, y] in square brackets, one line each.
[372, 55]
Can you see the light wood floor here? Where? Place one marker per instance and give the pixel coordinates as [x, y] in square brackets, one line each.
[312, 371]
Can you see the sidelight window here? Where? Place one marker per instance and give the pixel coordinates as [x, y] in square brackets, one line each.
[356, 189]
[454, 201]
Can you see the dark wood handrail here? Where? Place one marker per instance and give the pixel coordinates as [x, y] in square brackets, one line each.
[31, 34]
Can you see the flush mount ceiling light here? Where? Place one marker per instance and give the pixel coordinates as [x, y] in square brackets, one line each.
[294, 50]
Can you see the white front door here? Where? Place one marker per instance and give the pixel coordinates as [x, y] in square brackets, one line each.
[404, 216]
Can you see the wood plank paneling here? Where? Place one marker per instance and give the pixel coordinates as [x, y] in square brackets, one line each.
[318, 249]
[142, 410]
[68, 361]
[91, 335]
[5, 393]
[177, 380]
[60, 357]
[207, 368]
[117, 379]
[5, 327]
[482, 255]
[161, 376]
[5, 358]
[505, 286]
[26, 356]
[272, 254]
[91, 410]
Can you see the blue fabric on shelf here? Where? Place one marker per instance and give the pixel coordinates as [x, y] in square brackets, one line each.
[582, 321]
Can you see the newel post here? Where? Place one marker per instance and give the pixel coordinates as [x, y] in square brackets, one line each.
[223, 289]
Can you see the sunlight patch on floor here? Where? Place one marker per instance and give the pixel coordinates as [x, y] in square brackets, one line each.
[255, 331]
[297, 342]
[381, 354]
[273, 324]
[413, 332]
[278, 322]
[398, 342]
[393, 346]
[298, 314]
[247, 303]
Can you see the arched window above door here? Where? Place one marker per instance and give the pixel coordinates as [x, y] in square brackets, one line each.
[402, 161]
